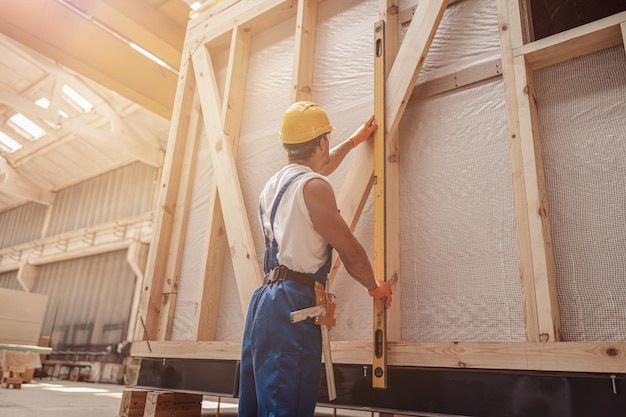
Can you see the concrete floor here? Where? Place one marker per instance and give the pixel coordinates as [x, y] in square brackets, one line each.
[62, 398]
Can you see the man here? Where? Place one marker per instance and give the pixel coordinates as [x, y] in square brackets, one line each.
[281, 361]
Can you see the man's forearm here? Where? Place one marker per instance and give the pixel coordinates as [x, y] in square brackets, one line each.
[336, 156]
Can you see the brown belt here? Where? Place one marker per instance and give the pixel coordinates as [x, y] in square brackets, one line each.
[281, 273]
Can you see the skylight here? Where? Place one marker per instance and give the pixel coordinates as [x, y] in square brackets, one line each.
[81, 101]
[45, 103]
[26, 127]
[148, 54]
[9, 143]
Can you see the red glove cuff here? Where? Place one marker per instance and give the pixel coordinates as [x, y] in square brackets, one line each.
[382, 292]
[358, 139]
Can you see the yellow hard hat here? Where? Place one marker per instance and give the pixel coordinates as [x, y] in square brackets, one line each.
[302, 122]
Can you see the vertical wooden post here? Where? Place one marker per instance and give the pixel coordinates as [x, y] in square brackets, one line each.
[179, 226]
[158, 256]
[304, 54]
[517, 168]
[27, 276]
[136, 257]
[537, 274]
[537, 205]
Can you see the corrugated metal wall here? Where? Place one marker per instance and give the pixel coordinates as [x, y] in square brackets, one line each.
[8, 280]
[89, 299]
[21, 224]
[118, 194]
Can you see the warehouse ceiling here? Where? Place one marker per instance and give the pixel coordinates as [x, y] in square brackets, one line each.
[86, 86]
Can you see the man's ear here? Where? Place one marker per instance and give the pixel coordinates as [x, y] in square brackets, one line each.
[325, 139]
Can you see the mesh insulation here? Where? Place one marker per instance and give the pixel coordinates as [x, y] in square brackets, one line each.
[460, 271]
[582, 116]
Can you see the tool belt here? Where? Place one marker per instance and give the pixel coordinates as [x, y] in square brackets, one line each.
[282, 273]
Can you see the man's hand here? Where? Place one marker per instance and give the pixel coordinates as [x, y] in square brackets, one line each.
[382, 292]
[364, 132]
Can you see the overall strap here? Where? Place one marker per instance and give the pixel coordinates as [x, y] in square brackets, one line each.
[271, 248]
[280, 197]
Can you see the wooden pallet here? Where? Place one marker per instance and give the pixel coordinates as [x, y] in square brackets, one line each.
[143, 403]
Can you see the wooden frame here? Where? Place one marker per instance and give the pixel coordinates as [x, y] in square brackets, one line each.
[542, 349]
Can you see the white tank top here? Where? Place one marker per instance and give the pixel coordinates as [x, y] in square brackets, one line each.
[300, 247]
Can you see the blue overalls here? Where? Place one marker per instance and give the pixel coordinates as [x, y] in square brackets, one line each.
[280, 361]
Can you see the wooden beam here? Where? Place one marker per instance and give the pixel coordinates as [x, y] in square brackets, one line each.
[216, 243]
[582, 40]
[29, 108]
[212, 271]
[175, 9]
[150, 305]
[50, 28]
[57, 96]
[139, 22]
[253, 17]
[520, 204]
[13, 183]
[410, 59]
[179, 226]
[102, 238]
[235, 88]
[117, 139]
[454, 76]
[304, 54]
[526, 22]
[539, 294]
[160, 403]
[136, 257]
[537, 204]
[405, 16]
[516, 28]
[557, 357]
[27, 276]
[120, 136]
[245, 263]
[212, 8]
[133, 403]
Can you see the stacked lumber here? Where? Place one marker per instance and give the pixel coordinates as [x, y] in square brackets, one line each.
[143, 403]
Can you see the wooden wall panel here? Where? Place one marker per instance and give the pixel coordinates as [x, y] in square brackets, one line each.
[519, 60]
[21, 316]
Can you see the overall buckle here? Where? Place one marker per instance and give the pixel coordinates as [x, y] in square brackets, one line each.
[277, 274]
